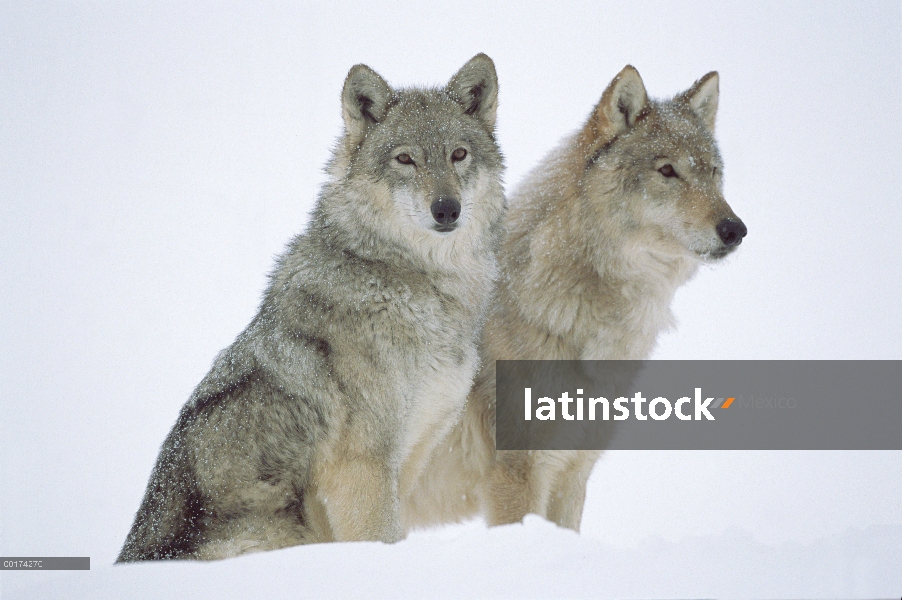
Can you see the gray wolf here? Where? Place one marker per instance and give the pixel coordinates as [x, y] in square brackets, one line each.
[313, 424]
[597, 239]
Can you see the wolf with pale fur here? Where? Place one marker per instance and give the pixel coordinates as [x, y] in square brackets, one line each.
[314, 423]
[597, 240]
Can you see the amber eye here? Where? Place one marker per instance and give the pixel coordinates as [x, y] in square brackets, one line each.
[458, 155]
[667, 171]
[404, 159]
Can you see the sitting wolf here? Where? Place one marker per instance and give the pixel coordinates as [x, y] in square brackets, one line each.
[597, 240]
[321, 414]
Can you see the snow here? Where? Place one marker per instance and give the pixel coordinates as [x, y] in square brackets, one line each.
[154, 159]
[532, 560]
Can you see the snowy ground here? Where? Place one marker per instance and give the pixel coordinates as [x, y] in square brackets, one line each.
[533, 560]
[154, 158]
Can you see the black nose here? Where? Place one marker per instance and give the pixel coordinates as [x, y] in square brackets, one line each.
[445, 210]
[731, 231]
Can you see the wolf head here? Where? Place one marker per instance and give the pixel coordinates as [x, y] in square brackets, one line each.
[420, 167]
[664, 162]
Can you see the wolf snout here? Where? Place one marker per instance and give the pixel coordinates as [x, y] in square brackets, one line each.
[445, 211]
[731, 231]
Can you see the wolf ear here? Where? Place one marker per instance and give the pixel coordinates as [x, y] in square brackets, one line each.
[616, 113]
[702, 98]
[364, 101]
[475, 86]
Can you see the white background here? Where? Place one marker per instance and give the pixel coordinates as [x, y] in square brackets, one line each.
[155, 158]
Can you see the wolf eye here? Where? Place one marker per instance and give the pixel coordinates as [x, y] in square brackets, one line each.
[667, 171]
[458, 155]
[404, 159]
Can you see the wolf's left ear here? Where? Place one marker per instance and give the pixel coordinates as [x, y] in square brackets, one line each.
[364, 101]
[476, 87]
[702, 98]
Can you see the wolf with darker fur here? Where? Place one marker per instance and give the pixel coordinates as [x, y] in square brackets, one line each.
[314, 423]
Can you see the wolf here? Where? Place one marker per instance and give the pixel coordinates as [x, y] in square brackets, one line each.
[314, 423]
[597, 239]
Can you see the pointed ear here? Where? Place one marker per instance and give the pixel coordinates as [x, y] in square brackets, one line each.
[475, 86]
[702, 98]
[364, 101]
[616, 113]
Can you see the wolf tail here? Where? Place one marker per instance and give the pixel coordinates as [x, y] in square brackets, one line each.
[171, 519]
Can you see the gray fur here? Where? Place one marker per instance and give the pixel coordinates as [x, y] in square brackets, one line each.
[312, 423]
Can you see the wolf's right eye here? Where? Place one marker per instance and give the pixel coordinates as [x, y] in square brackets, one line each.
[667, 171]
[404, 159]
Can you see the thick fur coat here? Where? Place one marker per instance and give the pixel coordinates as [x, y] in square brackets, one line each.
[597, 240]
[315, 422]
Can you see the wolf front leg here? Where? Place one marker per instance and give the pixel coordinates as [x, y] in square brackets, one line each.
[568, 494]
[360, 496]
[511, 488]
[549, 483]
